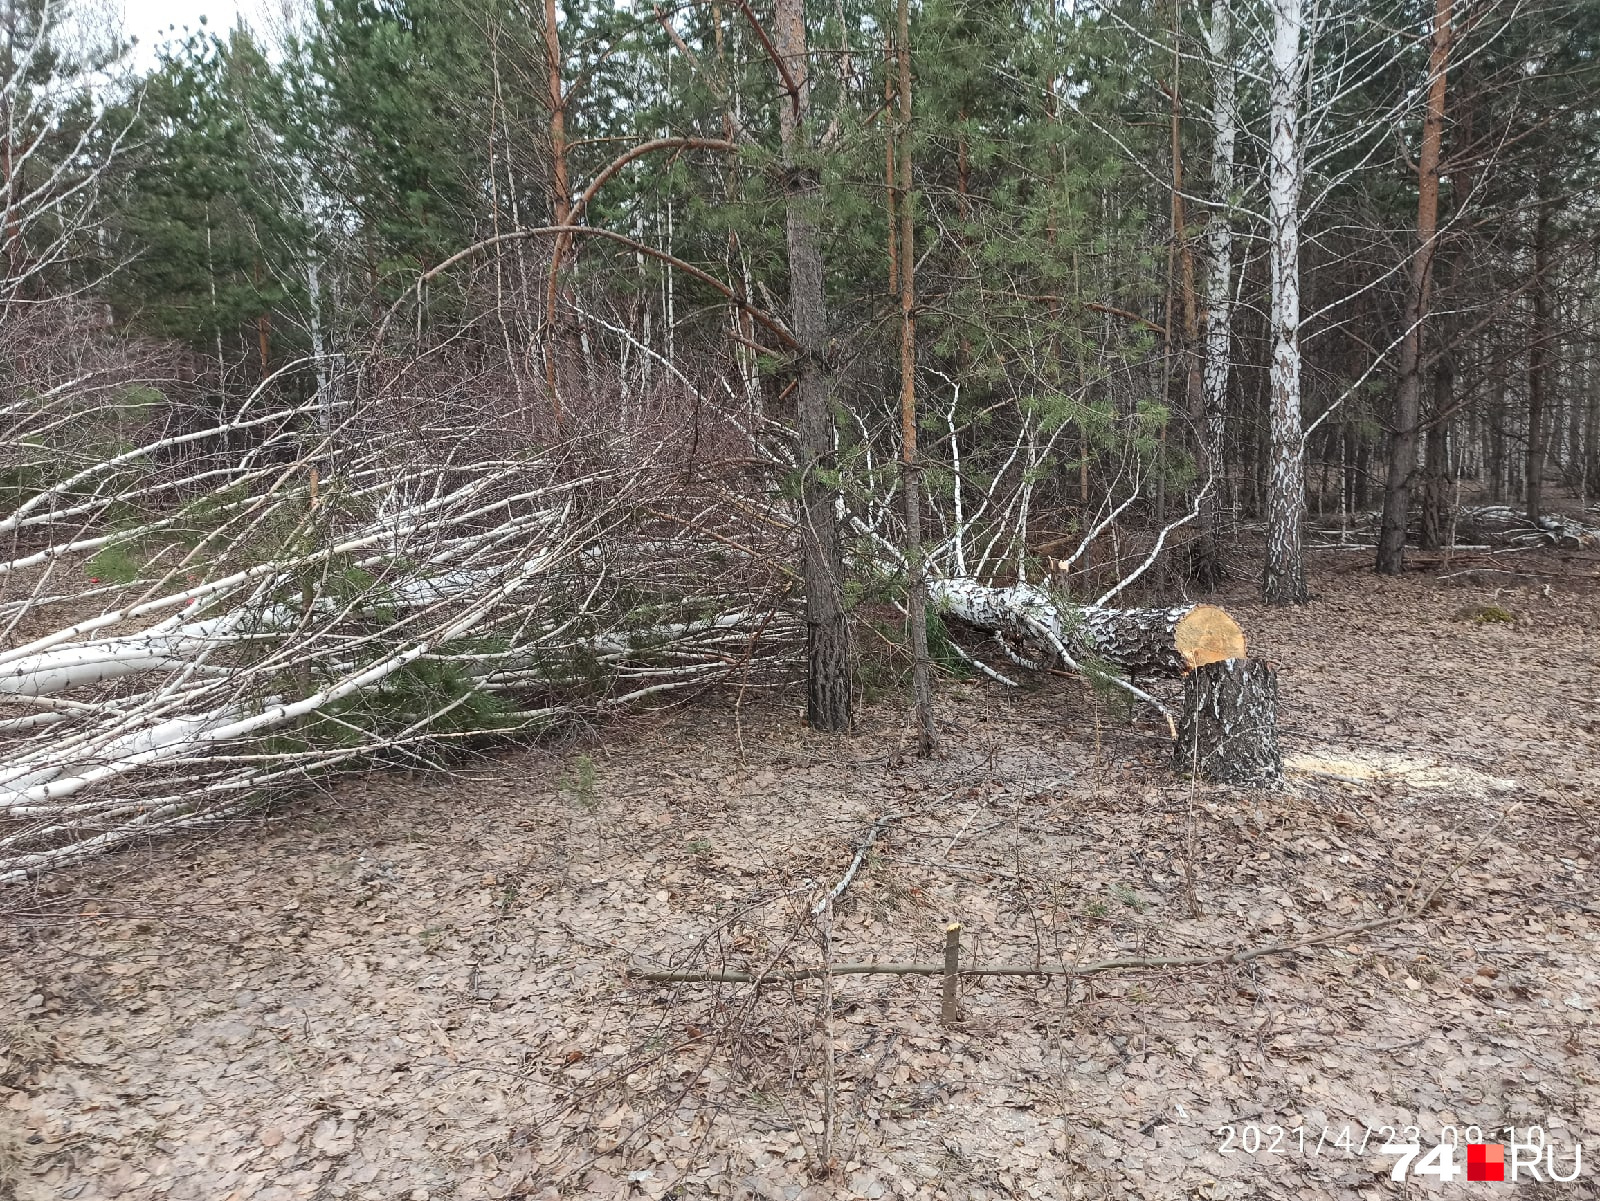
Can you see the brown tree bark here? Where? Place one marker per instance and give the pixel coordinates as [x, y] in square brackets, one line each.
[1495, 426]
[910, 464]
[827, 624]
[1403, 440]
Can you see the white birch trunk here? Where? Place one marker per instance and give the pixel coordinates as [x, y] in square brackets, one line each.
[1283, 581]
[319, 349]
[1219, 231]
[1209, 567]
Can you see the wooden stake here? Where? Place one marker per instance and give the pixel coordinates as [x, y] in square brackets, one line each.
[951, 1013]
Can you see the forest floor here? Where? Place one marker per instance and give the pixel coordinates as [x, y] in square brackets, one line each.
[421, 989]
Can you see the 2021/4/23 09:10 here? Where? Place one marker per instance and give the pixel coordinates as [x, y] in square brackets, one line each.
[1252, 1139]
[1532, 1155]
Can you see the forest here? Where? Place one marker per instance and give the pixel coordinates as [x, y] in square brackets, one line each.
[741, 598]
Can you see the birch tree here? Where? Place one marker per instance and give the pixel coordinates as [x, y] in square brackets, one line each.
[1209, 563]
[1283, 580]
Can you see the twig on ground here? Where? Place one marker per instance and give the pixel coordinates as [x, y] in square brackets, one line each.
[974, 661]
[855, 864]
[960, 832]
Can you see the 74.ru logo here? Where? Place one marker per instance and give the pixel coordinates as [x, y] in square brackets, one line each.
[1512, 1161]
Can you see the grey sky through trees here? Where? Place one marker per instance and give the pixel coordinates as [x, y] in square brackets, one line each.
[153, 22]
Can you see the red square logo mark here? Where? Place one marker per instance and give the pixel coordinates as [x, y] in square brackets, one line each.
[1486, 1161]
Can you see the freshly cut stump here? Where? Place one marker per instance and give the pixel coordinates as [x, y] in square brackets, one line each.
[1228, 732]
[1207, 634]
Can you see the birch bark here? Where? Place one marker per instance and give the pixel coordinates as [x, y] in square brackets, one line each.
[1283, 580]
[1209, 565]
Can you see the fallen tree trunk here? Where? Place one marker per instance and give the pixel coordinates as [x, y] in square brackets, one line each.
[1034, 629]
[1489, 524]
[1502, 523]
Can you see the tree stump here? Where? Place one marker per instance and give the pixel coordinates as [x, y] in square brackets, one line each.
[1228, 732]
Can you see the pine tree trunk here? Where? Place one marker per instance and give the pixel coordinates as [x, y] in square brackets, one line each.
[911, 466]
[1496, 431]
[1228, 732]
[1283, 580]
[1403, 441]
[827, 624]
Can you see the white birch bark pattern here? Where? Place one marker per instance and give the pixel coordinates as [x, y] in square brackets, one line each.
[1284, 578]
[1219, 234]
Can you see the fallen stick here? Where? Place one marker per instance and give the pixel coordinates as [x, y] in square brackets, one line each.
[1087, 969]
[855, 864]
